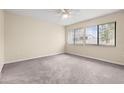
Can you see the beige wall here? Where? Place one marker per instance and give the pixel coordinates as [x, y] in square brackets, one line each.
[26, 37]
[1, 39]
[112, 54]
[1, 35]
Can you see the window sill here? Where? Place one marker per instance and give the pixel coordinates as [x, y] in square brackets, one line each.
[107, 45]
[91, 45]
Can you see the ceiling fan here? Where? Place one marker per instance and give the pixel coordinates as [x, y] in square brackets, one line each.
[66, 13]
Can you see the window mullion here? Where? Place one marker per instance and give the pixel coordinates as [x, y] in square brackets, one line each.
[97, 34]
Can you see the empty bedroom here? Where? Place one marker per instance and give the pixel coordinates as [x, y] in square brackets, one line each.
[61, 46]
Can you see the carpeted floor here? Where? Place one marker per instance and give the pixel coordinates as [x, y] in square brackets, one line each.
[62, 69]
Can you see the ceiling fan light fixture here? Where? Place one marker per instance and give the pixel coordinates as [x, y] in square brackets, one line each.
[65, 15]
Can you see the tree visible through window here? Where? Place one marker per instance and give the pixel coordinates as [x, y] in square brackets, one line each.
[107, 34]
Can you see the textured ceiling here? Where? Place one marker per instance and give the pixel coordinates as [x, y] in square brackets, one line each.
[52, 16]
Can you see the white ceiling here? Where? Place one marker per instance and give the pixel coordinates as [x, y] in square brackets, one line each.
[52, 16]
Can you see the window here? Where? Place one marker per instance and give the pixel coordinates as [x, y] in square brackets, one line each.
[91, 35]
[79, 33]
[103, 34]
[107, 34]
[70, 37]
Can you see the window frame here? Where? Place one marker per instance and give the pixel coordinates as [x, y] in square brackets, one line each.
[114, 22]
[73, 36]
[98, 36]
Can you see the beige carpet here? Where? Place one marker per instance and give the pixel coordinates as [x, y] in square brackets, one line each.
[62, 69]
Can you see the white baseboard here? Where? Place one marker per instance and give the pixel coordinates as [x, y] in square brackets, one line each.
[109, 61]
[19, 60]
[1, 65]
[13, 61]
